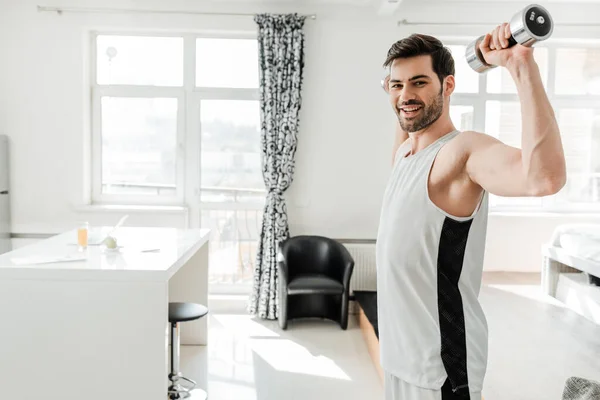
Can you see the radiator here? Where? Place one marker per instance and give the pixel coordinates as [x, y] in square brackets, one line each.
[364, 276]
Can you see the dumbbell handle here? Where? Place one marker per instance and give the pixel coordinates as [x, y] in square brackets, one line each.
[530, 25]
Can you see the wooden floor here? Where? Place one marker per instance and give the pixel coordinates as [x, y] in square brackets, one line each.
[371, 340]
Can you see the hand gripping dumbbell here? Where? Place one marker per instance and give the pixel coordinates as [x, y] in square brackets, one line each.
[530, 25]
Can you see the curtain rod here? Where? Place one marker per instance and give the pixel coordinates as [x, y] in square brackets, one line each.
[405, 22]
[61, 10]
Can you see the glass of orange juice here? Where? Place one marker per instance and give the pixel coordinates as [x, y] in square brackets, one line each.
[82, 235]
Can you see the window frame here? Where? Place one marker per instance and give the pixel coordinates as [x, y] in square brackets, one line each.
[189, 97]
[479, 100]
[105, 198]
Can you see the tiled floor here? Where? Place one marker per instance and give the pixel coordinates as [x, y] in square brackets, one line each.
[254, 360]
[535, 344]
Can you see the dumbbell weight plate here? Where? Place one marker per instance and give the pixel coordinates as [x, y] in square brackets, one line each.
[475, 58]
[532, 24]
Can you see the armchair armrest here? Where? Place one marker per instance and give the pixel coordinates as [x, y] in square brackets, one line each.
[348, 262]
[282, 268]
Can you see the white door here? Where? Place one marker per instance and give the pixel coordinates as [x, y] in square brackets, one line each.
[223, 126]
[232, 193]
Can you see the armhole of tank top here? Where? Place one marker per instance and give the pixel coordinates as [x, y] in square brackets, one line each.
[398, 156]
[445, 213]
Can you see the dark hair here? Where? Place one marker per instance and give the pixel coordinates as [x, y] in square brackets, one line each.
[418, 45]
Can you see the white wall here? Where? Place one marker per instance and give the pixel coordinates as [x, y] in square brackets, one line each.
[43, 108]
[341, 198]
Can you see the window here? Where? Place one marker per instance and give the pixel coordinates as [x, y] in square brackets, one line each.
[233, 193]
[139, 60]
[571, 75]
[467, 80]
[500, 81]
[578, 71]
[175, 120]
[231, 154]
[138, 119]
[218, 63]
[139, 145]
[462, 116]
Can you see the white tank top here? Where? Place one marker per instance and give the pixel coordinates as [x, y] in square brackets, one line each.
[429, 267]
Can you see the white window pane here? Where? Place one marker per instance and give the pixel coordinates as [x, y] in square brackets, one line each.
[139, 60]
[503, 121]
[580, 133]
[462, 117]
[579, 189]
[529, 203]
[231, 151]
[139, 146]
[227, 63]
[467, 80]
[499, 79]
[578, 71]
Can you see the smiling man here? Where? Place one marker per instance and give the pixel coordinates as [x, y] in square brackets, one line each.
[430, 246]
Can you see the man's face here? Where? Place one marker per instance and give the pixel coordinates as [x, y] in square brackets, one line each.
[416, 92]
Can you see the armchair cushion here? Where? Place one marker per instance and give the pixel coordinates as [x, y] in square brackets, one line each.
[314, 284]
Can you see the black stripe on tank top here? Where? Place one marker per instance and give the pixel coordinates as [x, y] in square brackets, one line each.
[451, 253]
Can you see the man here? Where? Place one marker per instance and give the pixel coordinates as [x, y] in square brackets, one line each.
[430, 246]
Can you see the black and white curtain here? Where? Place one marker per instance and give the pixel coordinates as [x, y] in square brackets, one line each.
[281, 47]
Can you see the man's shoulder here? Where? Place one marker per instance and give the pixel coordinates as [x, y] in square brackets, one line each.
[457, 151]
[471, 136]
[468, 142]
[474, 138]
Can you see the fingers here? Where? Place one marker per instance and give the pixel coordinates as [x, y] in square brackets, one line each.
[493, 40]
[507, 32]
[499, 37]
[485, 44]
[502, 35]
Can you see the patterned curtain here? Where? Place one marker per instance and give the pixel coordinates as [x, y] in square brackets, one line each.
[281, 46]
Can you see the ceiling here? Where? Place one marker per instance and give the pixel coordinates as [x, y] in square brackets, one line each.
[394, 7]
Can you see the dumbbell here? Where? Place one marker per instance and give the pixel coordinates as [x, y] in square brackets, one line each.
[530, 25]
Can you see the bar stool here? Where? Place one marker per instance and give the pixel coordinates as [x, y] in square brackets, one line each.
[182, 312]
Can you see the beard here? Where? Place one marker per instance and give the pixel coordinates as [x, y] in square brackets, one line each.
[428, 116]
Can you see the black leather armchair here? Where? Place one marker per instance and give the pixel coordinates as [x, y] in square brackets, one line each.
[314, 279]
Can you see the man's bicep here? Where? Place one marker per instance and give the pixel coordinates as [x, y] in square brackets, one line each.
[496, 167]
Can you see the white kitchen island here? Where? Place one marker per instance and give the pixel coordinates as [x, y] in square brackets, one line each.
[97, 328]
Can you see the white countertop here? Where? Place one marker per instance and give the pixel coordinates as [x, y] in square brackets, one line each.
[144, 254]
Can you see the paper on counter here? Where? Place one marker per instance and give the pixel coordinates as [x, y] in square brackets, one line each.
[28, 260]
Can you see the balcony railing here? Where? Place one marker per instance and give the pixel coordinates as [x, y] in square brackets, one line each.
[138, 188]
[235, 220]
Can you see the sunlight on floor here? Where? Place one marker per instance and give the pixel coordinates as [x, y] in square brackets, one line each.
[244, 325]
[532, 292]
[288, 356]
[581, 304]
